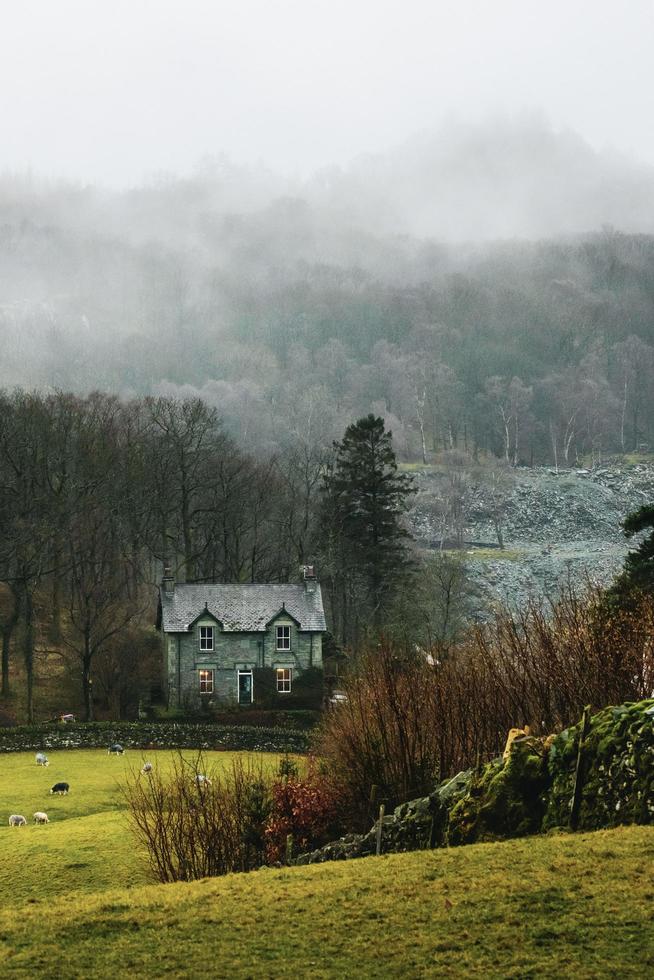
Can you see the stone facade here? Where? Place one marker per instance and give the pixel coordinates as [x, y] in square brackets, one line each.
[215, 655]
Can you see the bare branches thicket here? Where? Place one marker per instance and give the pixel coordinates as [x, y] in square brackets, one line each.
[197, 822]
[410, 720]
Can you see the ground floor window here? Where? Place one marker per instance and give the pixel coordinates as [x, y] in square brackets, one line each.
[206, 682]
[283, 680]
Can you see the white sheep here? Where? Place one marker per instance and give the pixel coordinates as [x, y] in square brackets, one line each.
[201, 780]
[42, 759]
[17, 820]
[147, 768]
[40, 817]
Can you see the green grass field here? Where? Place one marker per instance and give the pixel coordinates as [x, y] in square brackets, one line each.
[87, 845]
[73, 901]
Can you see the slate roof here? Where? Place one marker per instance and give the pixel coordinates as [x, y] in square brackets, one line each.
[241, 608]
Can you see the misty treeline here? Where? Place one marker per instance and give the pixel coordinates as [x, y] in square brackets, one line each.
[293, 320]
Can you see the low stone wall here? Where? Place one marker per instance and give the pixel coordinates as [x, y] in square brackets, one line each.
[528, 792]
[152, 735]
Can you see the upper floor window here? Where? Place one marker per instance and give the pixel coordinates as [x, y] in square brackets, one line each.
[283, 637]
[206, 681]
[206, 638]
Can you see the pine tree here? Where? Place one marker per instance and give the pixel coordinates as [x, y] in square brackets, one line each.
[637, 576]
[362, 503]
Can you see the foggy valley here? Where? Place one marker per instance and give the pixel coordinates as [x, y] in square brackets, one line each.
[326, 488]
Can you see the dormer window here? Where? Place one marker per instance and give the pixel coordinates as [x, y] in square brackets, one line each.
[206, 639]
[283, 637]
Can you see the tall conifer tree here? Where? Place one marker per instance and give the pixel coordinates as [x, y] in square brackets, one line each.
[363, 500]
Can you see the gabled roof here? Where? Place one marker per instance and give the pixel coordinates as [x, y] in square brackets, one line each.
[241, 608]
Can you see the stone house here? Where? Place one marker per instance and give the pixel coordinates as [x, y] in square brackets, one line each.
[216, 637]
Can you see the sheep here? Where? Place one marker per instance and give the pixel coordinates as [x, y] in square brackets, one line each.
[115, 749]
[68, 717]
[17, 820]
[42, 759]
[201, 780]
[41, 817]
[61, 789]
[147, 768]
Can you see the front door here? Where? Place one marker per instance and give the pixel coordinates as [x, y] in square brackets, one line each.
[245, 687]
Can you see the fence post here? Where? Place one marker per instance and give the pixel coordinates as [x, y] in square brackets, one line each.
[289, 848]
[382, 810]
[575, 803]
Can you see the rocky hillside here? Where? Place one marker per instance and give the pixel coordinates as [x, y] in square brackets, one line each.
[553, 525]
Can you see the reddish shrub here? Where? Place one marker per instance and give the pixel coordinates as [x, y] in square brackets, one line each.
[307, 808]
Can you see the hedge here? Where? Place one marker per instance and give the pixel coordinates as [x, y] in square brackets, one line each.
[151, 735]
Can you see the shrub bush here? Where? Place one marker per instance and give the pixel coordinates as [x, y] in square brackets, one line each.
[308, 808]
[382, 735]
[193, 828]
[411, 718]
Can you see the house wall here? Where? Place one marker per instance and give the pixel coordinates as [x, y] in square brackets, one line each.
[183, 658]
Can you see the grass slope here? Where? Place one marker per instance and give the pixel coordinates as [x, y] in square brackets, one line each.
[87, 846]
[553, 906]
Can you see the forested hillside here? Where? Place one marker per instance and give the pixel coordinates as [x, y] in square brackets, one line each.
[295, 307]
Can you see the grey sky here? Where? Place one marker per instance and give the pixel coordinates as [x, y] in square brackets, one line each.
[115, 90]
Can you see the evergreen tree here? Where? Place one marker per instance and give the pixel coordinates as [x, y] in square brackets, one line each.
[366, 544]
[637, 576]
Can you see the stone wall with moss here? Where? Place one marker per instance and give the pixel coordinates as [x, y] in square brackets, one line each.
[531, 791]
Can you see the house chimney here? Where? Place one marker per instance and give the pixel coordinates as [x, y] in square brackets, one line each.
[168, 582]
[309, 576]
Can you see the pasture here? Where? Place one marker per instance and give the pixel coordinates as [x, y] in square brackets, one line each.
[87, 846]
[546, 907]
[76, 893]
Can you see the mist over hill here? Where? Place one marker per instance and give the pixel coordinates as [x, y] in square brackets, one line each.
[484, 287]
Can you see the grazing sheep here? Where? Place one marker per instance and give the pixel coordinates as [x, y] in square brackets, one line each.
[42, 759]
[17, 820]
[201, 780]
[115, 749]
[41, 817]
[147, 768]
[60, 788]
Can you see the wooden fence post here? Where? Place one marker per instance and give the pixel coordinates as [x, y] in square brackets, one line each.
[289, 848]
[382, 810]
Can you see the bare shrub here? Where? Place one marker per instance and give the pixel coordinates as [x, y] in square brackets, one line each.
[411, 719]
[194, 828]
[382, 736]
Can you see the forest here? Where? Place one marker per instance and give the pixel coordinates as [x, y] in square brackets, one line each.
[294, 308]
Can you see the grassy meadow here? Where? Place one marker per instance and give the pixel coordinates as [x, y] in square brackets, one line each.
[550, 907]
[75, 898]
[87, 845]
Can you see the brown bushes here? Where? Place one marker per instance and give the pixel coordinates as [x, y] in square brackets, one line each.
[193, 828]
[411, 719]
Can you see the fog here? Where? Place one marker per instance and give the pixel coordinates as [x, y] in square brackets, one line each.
[306, 212]
[115, 92]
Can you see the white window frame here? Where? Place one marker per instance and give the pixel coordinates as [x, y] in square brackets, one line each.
[207, 637]
[284, 679]
[283, 637]
[206, 680]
